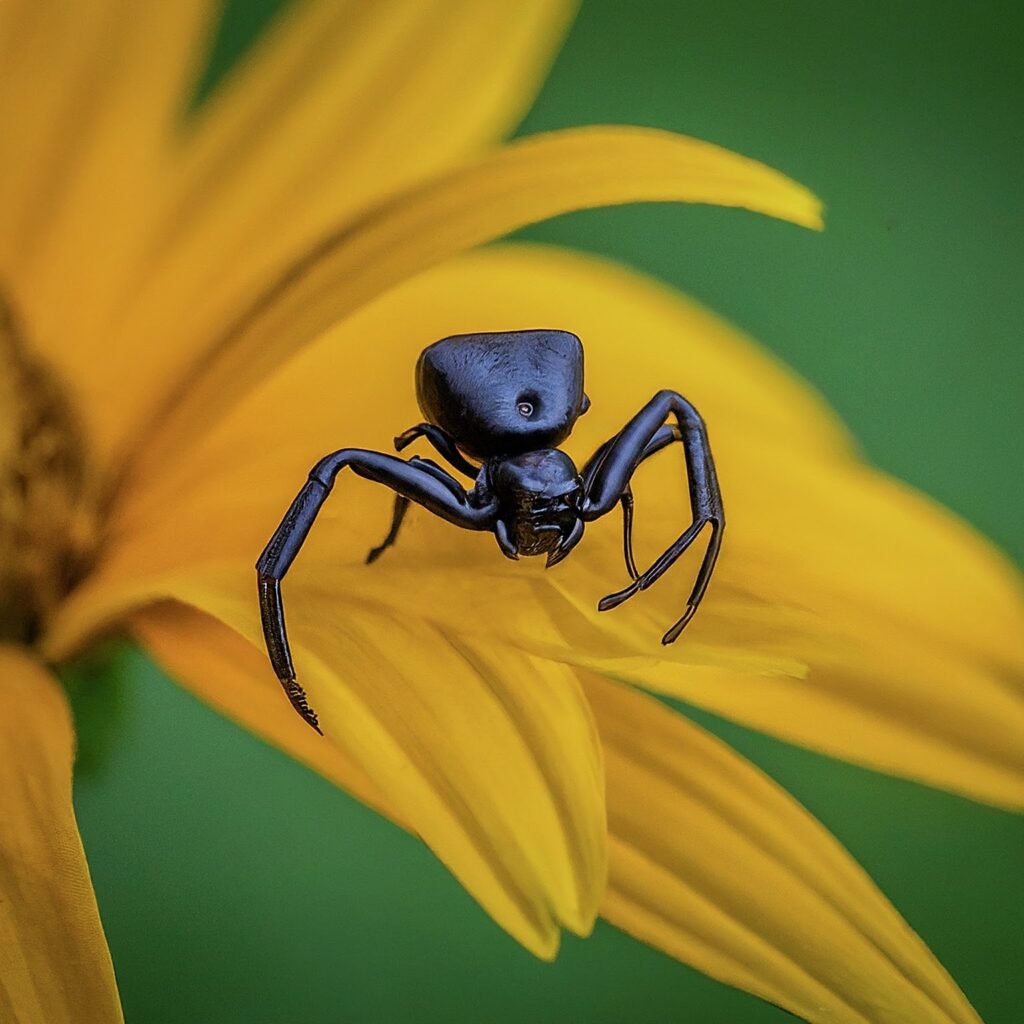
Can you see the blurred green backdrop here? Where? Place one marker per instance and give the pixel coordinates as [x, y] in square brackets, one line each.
[237, 887]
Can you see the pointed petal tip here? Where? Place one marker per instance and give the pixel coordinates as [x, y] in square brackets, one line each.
[582, 924]
[500, 776]
[803, 207]
[545, 947]
[532, 179]
[817, 218]
[716, 865]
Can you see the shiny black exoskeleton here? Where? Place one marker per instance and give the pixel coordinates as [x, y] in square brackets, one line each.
[506, 401]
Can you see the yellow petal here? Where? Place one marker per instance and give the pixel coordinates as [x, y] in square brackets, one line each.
[757, 894]
[847, 614]
[227, 672]
[716, 865]
[95, 95]
[338, 106]
[53, 56]
[530, 180]
[493, 761]
[54, 963]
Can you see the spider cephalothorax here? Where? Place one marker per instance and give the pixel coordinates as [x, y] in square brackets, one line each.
[507, 401]
[539, 497]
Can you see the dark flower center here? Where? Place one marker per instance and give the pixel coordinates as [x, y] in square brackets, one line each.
[47, 520]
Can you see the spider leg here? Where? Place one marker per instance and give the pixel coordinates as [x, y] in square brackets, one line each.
[402, 504]
[401, 507]
[664, 437]
[447, 449]
[440, 474]
[430, 487]
[607, 482]
[658, 569]
[627, 532]
[443, 444]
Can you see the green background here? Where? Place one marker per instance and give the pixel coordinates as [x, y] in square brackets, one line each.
[236, 886]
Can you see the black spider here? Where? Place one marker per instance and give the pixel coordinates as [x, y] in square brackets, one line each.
[505, 401]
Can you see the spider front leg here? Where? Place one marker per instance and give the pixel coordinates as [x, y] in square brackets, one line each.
[665, 436]
[445, 447]
[607, 477]
[402, 505]
[432, 488]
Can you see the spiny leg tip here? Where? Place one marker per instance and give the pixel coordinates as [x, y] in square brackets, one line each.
[309, 716]
[298, 699]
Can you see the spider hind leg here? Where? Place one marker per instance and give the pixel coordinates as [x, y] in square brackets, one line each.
[417, 480]
[607, 482]
[655, 572]
[401, 507]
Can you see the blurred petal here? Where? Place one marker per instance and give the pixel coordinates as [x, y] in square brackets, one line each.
[715, 864]
[337, 106]
[233, 677]
[53, 59]
[93, 92]
[836, 618]
[528, 181]
[54, 963]
[711, 861]
[493, 762]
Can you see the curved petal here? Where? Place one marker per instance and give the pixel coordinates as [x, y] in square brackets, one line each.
[715, 864]
[93, 94]
[228, 673]
[54, 963]
[53, 59]
[835, 617]
[493, 762]
[528, 181]
[711, 862]
[336, 107]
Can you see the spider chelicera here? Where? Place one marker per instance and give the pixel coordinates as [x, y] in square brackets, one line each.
[497, 406]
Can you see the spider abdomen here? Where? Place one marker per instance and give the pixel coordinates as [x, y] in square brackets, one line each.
[503, 393]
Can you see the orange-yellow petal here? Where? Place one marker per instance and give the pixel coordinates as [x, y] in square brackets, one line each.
[847, 614]
[716, 865]
[53, 58]
[711, 861]
[226, 671]
[490, 757]
[336, 107]
[54, 963]
[528, 181]
[94, 95]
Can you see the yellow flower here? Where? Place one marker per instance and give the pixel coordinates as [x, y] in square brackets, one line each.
[193, 314]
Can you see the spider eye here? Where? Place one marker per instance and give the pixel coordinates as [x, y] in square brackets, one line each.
[525, 409]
